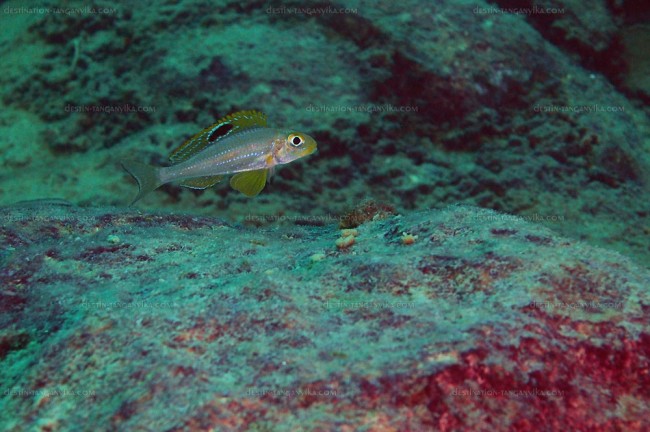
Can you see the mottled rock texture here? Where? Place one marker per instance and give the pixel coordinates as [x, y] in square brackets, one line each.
[120, 320]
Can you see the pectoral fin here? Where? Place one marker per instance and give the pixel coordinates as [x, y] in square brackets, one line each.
[250, 183]
[202, 182]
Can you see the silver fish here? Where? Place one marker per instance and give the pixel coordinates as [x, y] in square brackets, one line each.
[239, 144]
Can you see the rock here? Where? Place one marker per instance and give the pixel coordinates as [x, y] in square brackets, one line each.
[191, 323]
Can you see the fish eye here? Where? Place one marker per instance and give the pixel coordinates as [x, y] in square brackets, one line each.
[295, 140]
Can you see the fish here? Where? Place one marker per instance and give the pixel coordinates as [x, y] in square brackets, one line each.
[240, 144]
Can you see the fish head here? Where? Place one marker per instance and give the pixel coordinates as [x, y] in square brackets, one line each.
[294, 145]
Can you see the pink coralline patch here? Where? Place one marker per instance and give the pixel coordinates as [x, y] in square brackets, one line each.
[547, 379]
[184, 371]
[576, 285]
[544, 241]
[558, 392]
[131, 407]
[11, 238]
[377, 278]
[225, 415]
[184, 222]
[112, 254]
[15, 278]
[619, 365]
[461, 276]
[194, 338]
[503, 232]
[204, 331]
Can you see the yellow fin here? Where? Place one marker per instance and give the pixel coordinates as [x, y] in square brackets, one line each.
[227, 125]
[202, 182]
[250, 183]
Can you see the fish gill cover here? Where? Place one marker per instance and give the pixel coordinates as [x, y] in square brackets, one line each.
[467, 249]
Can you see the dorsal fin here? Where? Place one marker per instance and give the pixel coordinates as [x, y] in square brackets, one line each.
[228, 125]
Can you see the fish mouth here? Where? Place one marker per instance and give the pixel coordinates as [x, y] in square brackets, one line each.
[311, 146]
[311, 150]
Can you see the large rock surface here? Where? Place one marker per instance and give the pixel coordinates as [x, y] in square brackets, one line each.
[453, 319]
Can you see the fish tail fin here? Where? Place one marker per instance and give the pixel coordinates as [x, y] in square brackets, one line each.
[146, 176]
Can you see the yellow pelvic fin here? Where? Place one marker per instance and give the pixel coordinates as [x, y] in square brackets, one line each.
[250, 183]
[202, 182]
[226, 126]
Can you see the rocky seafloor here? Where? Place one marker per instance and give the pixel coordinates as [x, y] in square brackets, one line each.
[453, 319]
[468, 250]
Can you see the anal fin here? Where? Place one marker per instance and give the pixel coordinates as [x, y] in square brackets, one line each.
[202, 182]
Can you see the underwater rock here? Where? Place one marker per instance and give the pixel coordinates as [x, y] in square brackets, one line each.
[135, 321]
[416, 103]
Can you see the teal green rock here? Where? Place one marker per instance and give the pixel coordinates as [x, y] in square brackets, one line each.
[129, 321]
[467, 250]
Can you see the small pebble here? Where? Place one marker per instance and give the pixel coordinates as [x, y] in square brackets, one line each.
[347, 238]
[317, 257]
[345, 242]
[349, 232]
[408, 239]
